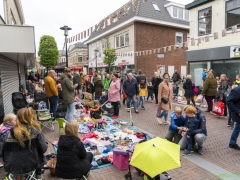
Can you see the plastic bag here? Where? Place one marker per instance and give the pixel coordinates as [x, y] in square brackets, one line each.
[199, 98]
[219, 108]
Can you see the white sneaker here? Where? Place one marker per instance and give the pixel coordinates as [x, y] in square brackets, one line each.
[159, 120]
[128, 110]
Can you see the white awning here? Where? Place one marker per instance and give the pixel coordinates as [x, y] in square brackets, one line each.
[18, 43]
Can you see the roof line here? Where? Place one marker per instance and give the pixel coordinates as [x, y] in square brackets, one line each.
[137, 18]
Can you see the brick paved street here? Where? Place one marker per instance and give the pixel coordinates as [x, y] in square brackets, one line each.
[216, 148]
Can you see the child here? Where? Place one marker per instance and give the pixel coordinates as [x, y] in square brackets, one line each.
[103, 98]
[9, 122]
[96, 112]
[238, 79]
[176, 127]
[175, 90]
[142, 92]
[150, 90]
[72, 159]
[192, 123]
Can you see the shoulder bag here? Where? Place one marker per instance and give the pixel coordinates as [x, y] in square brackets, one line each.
[165, 100]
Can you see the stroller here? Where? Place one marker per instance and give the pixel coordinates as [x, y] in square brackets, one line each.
[18, 101]
[107, 109]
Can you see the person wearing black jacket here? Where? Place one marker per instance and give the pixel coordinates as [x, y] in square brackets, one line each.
[157, 81]
[130, 87]
[221, 91]
[188, 87]
[233, 103]
[72, 159]
[176, 77]
[76, 80]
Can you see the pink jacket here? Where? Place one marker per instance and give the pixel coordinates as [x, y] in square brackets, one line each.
[114, 91]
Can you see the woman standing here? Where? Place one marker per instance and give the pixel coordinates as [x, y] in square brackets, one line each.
[24, 145]
[157, 81]
[221, 91]
[210, 90]
[113, 94]
[98, 86]
[72, 159]
[188, 86]
[165, 96]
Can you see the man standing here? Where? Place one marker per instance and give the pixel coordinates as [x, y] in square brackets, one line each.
[153, 78]
[106, 83]
[233, 104]
[68, 93]
[141, 77]
[130, 86]
[51, 92]
[76, 80]
[94, 77]
[176, 77]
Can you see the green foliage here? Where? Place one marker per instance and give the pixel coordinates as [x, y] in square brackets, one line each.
[109, 57]
[48, 51]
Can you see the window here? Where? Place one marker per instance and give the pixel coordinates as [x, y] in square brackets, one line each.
[180, 13]
[175, 12]
[122, 40]
[205, 21]
[79, 58]
[2, 9]
[156, 7]
[186, 15]
[179, 38]
[232, 14]
[188, 37]
[103, 44]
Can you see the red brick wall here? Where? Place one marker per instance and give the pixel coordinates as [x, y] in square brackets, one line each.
[150, 36]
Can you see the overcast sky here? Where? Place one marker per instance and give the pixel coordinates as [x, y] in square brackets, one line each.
[49, 15]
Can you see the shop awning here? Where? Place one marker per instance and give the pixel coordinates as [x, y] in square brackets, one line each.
[75, 68]
[18, 44]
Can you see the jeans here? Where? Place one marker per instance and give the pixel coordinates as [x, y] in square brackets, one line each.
[53, 105]
[142, 100]
[116, 108]
[230, 121]
[225, 108]
[70, 111]
[134, 100]
[171, 135]
[209, 100]
[199, 139]
[151, 97]
[164, 114]
[190, 143]
[235, 133]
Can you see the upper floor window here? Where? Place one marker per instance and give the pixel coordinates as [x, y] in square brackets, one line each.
[180, 13]
[103, 44]
[2, 9]
[122, 40]
[205, 21]
[156, 7]
[232, 13]
[179, 38]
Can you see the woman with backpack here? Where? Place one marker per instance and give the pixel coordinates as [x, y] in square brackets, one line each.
[210, 90]
[188, 86]
[157, 81]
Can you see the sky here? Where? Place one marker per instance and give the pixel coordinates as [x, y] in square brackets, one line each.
[47, 16]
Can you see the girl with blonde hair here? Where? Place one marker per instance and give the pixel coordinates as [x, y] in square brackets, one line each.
[9, 122]
[25, 145]
[72, 159]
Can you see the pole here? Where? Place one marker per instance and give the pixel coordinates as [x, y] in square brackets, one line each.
[96, 63]
[66, 52]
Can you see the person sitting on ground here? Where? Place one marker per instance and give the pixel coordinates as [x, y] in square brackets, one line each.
[39, 87]
[24, 145]
[191, 124]
[72, 159]
[176, 127]
[9, 122]
[96, 111]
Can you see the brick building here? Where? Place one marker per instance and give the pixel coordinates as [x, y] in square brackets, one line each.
[140, 27]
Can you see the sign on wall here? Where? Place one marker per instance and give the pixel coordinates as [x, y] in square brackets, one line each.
[235, 51]
[198, 77]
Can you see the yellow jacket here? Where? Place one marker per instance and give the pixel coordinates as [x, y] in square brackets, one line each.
[143, 92]
[50, 87]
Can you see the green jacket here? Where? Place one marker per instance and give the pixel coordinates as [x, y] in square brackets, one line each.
[209, 87]
[67, 89]
[106, 83]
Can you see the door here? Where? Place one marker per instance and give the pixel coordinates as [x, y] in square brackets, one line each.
[183, 71]
[170, 70]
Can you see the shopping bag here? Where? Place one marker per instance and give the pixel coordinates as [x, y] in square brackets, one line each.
[219, 108]
[159, 110]
[199, 98]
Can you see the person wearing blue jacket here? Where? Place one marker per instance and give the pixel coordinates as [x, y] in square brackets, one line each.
[233, 104]
[176, 126]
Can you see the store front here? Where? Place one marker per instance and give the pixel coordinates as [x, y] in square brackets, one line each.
[223, 60]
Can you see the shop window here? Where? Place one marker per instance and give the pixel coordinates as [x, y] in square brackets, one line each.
[179, 38]
[232, 14]
[122, 40]
[205, 21]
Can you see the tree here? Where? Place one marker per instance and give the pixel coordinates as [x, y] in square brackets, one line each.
[48, 52]
[109, 57]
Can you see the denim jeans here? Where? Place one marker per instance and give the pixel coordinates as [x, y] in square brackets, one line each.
[164, 114]
[142, 100]
[131, 99]
[53, 105]
[151, 97]
[235, 133]
[70, 111]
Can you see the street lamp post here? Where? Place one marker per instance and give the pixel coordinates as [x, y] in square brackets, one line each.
[96, 51]
[66, 29]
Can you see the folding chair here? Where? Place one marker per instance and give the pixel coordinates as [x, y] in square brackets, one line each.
[29, 176]
[45, 119]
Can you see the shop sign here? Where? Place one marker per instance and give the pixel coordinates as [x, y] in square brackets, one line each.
[124, 62]
[101, 64]
[235, 51]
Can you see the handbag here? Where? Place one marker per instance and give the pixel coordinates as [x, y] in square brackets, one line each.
[165, 100]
